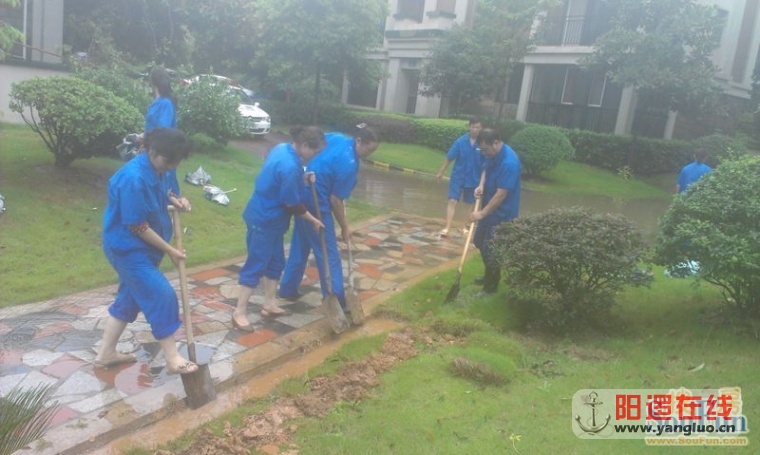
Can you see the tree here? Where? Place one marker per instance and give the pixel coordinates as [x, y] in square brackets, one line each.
[302, 39]
[470, 63]
[8, 34]
[662, 48]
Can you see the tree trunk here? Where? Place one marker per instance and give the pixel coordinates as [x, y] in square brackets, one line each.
[315, 108]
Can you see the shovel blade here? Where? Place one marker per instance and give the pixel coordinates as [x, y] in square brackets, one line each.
[199, 387]
[454, 291]
[335, 315]
[355, 307]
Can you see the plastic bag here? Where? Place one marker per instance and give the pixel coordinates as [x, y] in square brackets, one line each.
[130, 146]
[2, 204]
[199, 177]
[216, 194]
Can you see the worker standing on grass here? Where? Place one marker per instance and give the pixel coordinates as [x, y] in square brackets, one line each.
[336, 170]
[465, 175]
[500, 189]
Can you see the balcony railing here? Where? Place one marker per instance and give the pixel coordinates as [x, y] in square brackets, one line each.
[601, 120]
[554, 30]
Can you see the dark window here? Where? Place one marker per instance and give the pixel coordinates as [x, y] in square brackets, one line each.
[446, 6]
[410, 9]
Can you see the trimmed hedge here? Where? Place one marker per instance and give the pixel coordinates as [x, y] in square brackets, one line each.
[643, 156]
[541, 148]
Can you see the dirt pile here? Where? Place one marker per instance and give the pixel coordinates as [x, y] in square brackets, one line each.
[271, 430]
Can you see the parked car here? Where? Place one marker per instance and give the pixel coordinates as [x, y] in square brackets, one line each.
[255, 120]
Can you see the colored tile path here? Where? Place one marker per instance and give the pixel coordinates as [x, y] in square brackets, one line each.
[52, 342]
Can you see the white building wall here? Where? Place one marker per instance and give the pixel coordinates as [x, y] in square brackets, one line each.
[10, 74]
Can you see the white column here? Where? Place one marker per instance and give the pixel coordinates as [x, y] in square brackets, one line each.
[626, 111]
[525, 90]
[670, 124]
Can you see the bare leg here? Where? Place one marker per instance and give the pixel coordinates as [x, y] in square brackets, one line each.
[468, 209]
[241, 310]
[111, 334]
[450, 208]
[270, 296]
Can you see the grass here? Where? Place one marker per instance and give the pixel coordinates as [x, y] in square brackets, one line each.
[655, 340]
[498, 390]
[50, 242]
[567, 178]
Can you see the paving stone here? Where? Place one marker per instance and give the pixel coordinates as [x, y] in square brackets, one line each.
[40, 357]
[98, 401]
[299, 320]
[79, 383]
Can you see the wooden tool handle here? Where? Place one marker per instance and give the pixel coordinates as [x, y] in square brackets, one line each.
[323, 243]
[184, 293]
[469, 237]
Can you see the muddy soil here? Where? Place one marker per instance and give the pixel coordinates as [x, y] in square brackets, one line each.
[271, 431]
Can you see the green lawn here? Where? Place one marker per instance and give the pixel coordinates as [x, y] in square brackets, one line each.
[567, 178]
[50, 233]
[669, 336]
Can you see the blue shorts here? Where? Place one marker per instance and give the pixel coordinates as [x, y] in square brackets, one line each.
[460, 193]
[142, 287]
[266, 256]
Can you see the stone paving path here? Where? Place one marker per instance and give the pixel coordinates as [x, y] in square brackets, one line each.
[52, 342]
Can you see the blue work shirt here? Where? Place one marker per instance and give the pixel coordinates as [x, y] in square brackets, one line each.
[336, 168]
[690, 174]
[503, 172]
[160, 114]
[278, 185]
[468, 162]
[136, 194]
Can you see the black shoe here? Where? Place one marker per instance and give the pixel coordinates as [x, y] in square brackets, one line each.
[479, 280]
[291, 298]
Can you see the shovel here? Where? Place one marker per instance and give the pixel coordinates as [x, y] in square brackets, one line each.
[352, 300]
[199, 387]
[455, 288]
[338, 321]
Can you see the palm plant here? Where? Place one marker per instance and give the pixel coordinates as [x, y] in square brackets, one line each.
[23, 417]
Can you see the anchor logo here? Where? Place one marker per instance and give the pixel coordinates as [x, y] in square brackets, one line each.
[593, 402]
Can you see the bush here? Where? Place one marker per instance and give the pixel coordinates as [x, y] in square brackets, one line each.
[210, 108]
[75, 118]
[541, 148]
[720, 147]
[439, 134]
[202, 143]
[717, 224]
[643, 156]
[135, 92]
[567, 264]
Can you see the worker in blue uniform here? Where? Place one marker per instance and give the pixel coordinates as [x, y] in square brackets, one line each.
[336, 170]
[693, 171]
[500, 189]
[136, 234]
[278, 195]
[162, 113]
[465, 175]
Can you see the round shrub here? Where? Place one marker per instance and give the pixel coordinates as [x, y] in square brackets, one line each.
[75, 118]
[540, 148]
[134, 91]
[564, 266]
[716, 223]
[720, 148]
[210, 108]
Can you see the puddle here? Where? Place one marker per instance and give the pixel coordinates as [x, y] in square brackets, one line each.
[260, 386]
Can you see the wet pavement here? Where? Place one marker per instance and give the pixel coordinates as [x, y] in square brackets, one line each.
[52, 342]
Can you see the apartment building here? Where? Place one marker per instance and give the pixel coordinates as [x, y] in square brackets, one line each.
[550, 87]
[41, 22]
